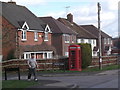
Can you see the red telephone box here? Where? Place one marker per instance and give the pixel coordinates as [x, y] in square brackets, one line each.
[75, 61]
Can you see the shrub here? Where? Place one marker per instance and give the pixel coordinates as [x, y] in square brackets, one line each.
[10, 55]
[86, 54]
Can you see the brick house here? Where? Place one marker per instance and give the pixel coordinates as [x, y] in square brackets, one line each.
[24, 33]
[106, 40]
[62, 36]
[83, 36]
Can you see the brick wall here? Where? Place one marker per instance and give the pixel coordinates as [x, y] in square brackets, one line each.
[0, 35]
[57, 43]
[30, 38]
[8, 38]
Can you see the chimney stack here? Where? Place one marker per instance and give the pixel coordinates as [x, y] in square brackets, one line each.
[12, 2]
[70, 17]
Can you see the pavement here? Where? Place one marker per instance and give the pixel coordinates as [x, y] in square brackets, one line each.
[53, 83]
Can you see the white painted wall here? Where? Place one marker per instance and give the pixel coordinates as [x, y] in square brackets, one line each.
[93, 43]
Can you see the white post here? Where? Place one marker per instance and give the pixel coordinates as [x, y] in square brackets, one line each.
[24, 56]
[43, 55]
[47, 55]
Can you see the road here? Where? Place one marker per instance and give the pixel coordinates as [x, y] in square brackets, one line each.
[106, 79]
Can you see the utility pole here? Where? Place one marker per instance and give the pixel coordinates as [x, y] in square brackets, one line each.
[100, 50]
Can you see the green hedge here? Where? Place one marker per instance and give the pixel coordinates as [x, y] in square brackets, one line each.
[11, 55]
[86, 52]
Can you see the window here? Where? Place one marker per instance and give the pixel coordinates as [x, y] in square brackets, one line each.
[93, 41]
[46, 36]
[105, 41]
[109, 41]
[73, 39]
[24, 35]
[49, 55]
[47, 30]
[28, 56]
[66, 38]
[82, 40]
[35, 36]
[89, 41]
[66, 54]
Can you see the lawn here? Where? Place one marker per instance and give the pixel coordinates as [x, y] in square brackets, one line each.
[18, 83]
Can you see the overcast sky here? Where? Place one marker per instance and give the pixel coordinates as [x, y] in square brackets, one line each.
[84, 11]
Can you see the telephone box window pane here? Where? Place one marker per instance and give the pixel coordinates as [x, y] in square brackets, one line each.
[73, 47]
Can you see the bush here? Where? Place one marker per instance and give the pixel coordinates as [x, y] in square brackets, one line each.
[10, 55]
[86, 52]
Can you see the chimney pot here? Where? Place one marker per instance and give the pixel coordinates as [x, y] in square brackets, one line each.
[12, 2]
[70, 17]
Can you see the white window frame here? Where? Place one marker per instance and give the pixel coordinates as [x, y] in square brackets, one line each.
[35, 36]
[105, 41]
[24, 32]
[46, 54]
[47, 31]
[46, 36]
[109, 41]
[73, 39]
[82, 41]
[66, 38]
[25, 24]
[89, 41]
[24, 35]
[49, 55]
[67, 54]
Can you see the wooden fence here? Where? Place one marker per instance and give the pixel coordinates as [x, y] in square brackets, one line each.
[49, 64]
[106, 60]
[55, 64]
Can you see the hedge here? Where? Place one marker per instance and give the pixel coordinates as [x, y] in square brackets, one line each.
[86, 52]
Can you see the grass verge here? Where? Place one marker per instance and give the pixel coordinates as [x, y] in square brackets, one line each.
[17, 83]
[110, 67]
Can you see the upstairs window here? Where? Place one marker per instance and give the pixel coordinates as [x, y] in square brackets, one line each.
[24, 35]
[66, 38]
[105, 41]
[82, 40]
[47, 30]
[35, 36]
[24, 29]
[73, 39]
[46, 36]
[89, 41]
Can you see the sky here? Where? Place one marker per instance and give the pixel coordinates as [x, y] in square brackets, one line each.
[84, 11]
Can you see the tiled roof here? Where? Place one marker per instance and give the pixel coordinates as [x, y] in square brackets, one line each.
[92, 29]
[56, 26]
[36, 48]
[17, 14]
[81, 32]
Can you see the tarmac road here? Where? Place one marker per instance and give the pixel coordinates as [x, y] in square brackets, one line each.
[104, 79]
